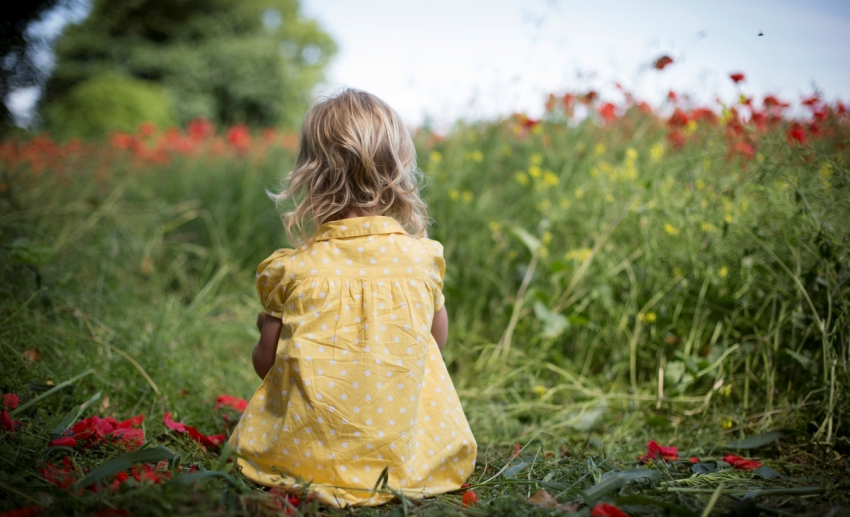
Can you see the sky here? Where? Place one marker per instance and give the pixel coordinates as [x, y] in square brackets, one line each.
[442, 60]
[438, 61]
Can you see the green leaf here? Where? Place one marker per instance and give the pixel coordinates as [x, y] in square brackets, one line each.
[194, 477]
[603, 488]
[804, 361]
[766, 472]
[73, 415]
[577, 320]
[31, 253]
[653, 476]
[531, 242]
[756, 441]
[513, 470]
[554, 324]
[125, 462]
[703, 468]
[639, 500]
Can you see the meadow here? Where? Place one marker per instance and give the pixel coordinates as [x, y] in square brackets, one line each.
[676, 276]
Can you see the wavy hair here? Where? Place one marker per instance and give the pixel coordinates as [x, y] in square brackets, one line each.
[355, 158]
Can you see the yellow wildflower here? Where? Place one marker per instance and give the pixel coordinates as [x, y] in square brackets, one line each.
[672, 230]
[543, 205]
[476, 156]
[495, 227]
[550, 179]
[466, 196]
[579, 193]
[512, 254]
[727, 424]
[579, 255]
[726, 390]
[599, 149]
[656, 152]
[609, 197]
[535, 159]
[539, 390]
[546, 238]
[521, 178]
[707, 227]
[435, 157]
[723, 272]
[538, 129]
[677, 271]
[565, 203]
[728, 218]
[631, 154]
[648, 317]
[700, 184]
[544, 252]
[691, 127]
[534, 171]
[454, 194]
[703, 203]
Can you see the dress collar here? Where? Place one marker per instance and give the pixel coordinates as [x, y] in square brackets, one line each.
[358, 227]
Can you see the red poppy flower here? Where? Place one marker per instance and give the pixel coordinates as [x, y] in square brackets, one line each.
[607, 510]
[239, 138]
[469, 499]
[840, 108]
[742, 148]
[704, 115]
[227, 400]
[678, 119]
[812, 101]
[589, 97]
[146, 129]
[740, 463]
[671, 96]
[608, 112]
[737, 77]
[655, 452]
[26, 511]
[200, 129]
[11, 401]
[676, 139]
[662, 62]
[796, 133]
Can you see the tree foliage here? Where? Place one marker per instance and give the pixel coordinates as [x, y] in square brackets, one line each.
[17, 67]
[231, 61]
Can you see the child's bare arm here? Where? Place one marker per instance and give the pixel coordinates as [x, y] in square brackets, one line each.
[266, 348]
[440, 327]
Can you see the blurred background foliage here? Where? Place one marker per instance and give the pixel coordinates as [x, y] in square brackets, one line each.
[232, 62]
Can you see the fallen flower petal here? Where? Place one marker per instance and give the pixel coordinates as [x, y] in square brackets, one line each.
[236, 403]
[607, 510]
[655, 452]
[11, 401]
[67, 441]
[694, 459]
[469, 499]
[209, 441]
[171, 424]
[6, 422]
[740, 463]
[26, 511]
[63, 476]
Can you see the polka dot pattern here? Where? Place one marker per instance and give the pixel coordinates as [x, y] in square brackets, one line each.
[358, 383]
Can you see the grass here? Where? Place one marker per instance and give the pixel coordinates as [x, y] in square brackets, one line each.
[605, 289]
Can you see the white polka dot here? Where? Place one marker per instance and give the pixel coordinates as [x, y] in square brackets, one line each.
[343, 227]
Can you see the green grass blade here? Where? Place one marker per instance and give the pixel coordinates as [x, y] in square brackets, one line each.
[50, 392]
[756, 441]
[125, 462]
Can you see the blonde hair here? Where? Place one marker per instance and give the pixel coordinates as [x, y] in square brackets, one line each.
[355, 158]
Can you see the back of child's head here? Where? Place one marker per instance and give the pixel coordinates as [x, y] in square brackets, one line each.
[355, 158]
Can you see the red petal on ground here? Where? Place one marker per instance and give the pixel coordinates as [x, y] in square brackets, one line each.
[131, 422]
[120, 478]
[662, 62]
[68, 441]
[607, 510]
[171, 424]
[655, 452]
[26, 511]
[11, 401]
[517, 448]
[740, 463]
[63, 477]
[6, 422]
[209, 441]
[111, 512]
[693, 459]
[130, 436]
[737, 77]
[469, 499]
[236, 403]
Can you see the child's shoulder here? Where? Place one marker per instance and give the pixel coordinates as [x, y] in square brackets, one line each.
[275, 261]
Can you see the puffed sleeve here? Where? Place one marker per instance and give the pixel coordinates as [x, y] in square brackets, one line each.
[438, 273]
[273, 281]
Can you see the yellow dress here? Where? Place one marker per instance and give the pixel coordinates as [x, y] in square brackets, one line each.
[358, 384]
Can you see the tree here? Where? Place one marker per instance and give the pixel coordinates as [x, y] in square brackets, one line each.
[17, 66]
[231, 61]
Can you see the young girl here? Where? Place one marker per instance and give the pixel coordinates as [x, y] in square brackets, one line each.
[353, 324]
